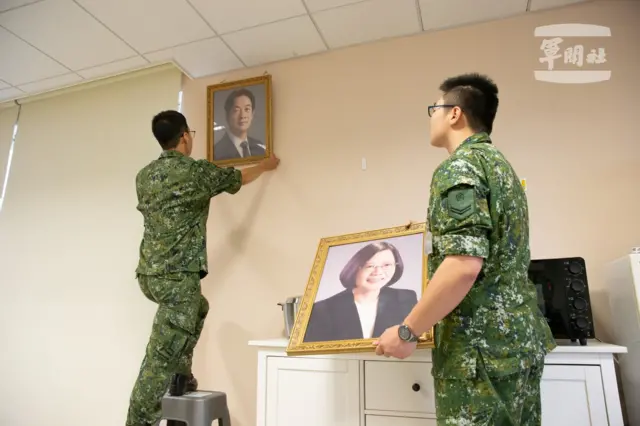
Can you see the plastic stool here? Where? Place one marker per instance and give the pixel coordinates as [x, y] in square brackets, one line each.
[199, 408]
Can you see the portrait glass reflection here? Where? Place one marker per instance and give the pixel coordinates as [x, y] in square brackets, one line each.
[239, 121]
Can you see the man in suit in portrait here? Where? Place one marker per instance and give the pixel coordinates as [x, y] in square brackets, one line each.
[236, 143]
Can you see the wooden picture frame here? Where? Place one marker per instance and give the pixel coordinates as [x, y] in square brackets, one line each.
[239, 130]
[393, 258]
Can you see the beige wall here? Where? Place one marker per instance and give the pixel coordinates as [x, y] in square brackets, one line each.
[73, 322]
[575, 144]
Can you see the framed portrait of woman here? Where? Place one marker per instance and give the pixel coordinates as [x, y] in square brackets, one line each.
[360, 285]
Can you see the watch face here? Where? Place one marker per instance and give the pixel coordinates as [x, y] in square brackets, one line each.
[405, 333]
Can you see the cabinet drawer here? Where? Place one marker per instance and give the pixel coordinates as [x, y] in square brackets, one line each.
[399, 386]
[397, 421]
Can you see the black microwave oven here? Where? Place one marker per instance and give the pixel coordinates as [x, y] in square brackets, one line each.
[563, 297]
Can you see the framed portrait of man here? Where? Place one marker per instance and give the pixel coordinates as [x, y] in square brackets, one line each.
[360, 285]
[239, 121]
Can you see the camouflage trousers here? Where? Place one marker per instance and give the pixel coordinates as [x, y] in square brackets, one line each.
[176, 329]
[511, 400]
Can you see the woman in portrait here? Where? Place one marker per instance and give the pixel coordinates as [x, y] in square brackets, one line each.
[369, 304]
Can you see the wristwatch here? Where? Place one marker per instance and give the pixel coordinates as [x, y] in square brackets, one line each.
[405, 333]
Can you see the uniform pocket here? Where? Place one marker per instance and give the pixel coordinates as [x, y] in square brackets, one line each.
[509, 341]
[182, 317]
[143, 282]
[176, 320]
[453, 356]
[170, 335]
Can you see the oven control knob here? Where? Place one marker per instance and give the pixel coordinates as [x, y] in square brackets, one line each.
[580, 304]
[575, 268]
[582, 323]
[577, 286]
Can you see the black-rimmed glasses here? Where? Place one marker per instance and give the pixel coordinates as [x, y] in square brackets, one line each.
[431, 108]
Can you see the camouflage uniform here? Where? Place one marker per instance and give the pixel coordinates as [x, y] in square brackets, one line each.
[173, 196]
[490, 349]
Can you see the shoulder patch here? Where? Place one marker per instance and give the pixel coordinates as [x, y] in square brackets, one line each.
[461, 202]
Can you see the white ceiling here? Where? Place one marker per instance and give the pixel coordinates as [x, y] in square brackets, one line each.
[100, 38]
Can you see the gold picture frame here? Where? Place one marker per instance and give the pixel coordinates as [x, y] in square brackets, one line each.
[239, 135]
[405, 244]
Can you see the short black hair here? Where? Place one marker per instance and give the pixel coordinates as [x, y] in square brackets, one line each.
[350, 270]
[477, 97]
[228, 103]
[168, 127]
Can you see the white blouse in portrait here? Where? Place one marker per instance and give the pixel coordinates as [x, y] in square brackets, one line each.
[367, 312]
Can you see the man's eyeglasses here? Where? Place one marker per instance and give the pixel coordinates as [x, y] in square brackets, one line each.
[432, 108]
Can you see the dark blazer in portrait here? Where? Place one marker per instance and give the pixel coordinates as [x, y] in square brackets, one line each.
[225, 149]
[336, 318]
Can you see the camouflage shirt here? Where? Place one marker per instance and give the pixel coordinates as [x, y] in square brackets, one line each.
[477, 207]
[173, 196]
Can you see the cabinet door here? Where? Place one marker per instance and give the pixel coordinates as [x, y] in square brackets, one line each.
[573, 395]
[312, 392]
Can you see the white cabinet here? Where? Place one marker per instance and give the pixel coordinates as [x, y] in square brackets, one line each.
[579, 388]
[573, 395]
[312, 392]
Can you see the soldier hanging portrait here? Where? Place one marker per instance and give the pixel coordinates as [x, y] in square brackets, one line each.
[239, 121]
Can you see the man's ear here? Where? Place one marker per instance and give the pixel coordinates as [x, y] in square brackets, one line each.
[456, 114]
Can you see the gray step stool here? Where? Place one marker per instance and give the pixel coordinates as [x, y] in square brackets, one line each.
[199, 408]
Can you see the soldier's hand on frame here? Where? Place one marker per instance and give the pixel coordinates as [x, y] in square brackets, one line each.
[270, 163]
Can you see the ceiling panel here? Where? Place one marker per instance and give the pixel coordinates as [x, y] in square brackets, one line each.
[114, 68]
[199, 59]
[438, 14]
[51, 83]
[548, 4]
[12, 4]
[277, 41]
[368, 21]
[206, 37]
[317, 5]
[82, 42]
[12, 93]
[226, 16]
[27, 64]
[173, 22]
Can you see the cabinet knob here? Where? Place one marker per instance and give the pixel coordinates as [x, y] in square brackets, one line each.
[415, 387]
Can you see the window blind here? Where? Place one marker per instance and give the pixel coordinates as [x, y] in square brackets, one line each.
[75, 323]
